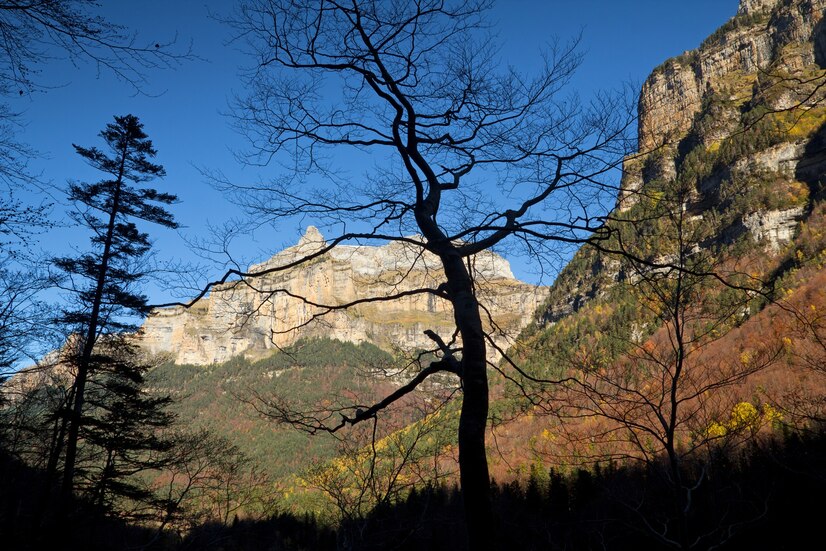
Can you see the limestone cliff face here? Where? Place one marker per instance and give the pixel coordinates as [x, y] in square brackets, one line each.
[286, 305]
[695, 111]
[771, 55]
[765, 54]
[763, 33]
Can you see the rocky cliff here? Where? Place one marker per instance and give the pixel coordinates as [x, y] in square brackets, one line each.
[742, 117]
[764, 37]
[286, 305]
[767, 54]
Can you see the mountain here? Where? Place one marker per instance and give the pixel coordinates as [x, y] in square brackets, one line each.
[739, 121]
[735, 133]
[671, 383]
[743, 116]
[237, 320]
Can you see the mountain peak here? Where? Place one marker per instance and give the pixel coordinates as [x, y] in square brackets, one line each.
[238, 320]
[310, 243]
[754, 6]
[311, 237]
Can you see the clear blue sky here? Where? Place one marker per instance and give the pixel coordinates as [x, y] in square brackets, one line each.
[623, 40]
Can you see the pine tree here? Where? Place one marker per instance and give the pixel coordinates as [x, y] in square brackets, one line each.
[104, 280]
[122, 428]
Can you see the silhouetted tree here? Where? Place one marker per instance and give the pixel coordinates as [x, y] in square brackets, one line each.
[419, 87]
[208, 479]
[104, 280]
[124, 429]
[20, 309]
[670, 398]
[35, 33]
[20, 313]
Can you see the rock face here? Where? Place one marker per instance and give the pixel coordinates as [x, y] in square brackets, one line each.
[762, 32]
[695, 115]
[766, 37]
[752, 6]
[775, 227]
[288, 304]
[772, 53]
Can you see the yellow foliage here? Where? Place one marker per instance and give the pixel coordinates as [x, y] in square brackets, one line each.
[807, 122]
[771, 415]
[716, 430]
[797, 193]
[745, 416]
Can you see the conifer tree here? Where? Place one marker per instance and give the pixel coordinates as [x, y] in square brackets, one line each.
[104, 280]
[121, 428]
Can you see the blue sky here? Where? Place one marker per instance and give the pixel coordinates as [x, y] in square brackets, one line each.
[182, 110]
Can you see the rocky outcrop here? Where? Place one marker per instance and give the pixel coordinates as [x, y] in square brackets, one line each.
[765, 37]
[754, 6]
[774, 227]
[699, 117]
[762, 33]
[252, 318]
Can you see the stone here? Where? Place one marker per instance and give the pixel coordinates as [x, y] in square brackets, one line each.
[754, 6]
[673, 95]
[762, 57]
[287, 303]
[774, 227]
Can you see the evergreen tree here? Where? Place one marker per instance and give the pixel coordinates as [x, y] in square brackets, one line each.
[104, 280]
[121, 429]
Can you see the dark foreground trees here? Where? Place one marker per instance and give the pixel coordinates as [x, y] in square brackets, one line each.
[659, 391]
[124, 430]
[103, 281]
[580, 509]
[470, 156]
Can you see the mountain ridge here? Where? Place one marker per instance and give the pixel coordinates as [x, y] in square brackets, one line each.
[286, 303]
[742, 110]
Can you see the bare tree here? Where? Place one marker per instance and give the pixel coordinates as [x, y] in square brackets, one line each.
[469, 155]
[671, 396]
[371, 470]
[207, 478]
[20, 283]
[41, 30]
[20, 315]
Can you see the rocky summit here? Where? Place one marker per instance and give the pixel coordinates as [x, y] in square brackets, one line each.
[767, 55]
[742, 116]
[291, 300]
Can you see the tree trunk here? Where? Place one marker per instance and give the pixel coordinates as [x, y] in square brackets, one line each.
[91, 337]
[473, 463]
